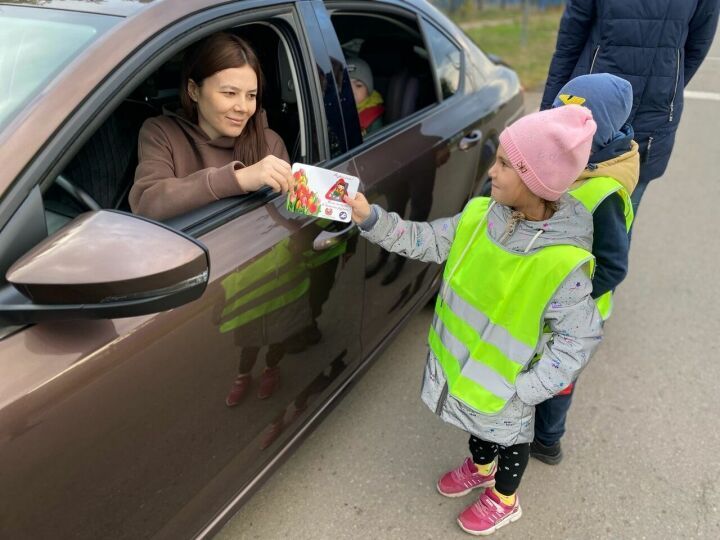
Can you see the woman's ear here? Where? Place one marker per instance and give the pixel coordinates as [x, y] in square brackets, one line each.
[193, 90]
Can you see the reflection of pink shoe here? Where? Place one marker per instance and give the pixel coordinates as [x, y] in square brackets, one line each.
[464, 479]
[488, 514]
[239, 389]
[279, 425]
[269, 382]
[274, 431]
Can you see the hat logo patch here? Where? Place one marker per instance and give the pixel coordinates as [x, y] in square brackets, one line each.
[569, 99]
[522, 167]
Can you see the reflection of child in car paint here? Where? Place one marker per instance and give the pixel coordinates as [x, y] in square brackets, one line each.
[369, 102]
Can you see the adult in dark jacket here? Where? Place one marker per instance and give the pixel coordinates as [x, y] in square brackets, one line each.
[657, 46]
[613, 154]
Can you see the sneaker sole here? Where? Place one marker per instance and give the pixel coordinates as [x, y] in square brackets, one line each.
[499, 525]
[463, 493]
[547, 460]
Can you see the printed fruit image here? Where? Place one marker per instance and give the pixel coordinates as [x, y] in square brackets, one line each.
[301, 199]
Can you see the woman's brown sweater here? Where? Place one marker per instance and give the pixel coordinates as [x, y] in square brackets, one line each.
[181, 169]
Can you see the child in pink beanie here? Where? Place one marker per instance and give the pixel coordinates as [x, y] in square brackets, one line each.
[516, 262]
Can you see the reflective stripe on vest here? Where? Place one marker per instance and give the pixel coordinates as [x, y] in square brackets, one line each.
[267, 284]
[591, 194]
[489, 317]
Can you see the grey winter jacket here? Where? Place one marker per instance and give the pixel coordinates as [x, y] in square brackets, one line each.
[572, 317]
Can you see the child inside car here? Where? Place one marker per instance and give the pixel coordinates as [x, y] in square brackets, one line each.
[369, 102]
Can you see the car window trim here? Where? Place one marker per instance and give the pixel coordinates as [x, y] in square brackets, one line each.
[397, 128]
[463, 53]
[387, 132]
[364, 12]
[85, 120]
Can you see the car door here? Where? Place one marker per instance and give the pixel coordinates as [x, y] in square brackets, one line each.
[423, 164]
[124, 428]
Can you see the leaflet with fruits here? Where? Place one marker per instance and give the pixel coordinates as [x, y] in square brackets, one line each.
[319, 192]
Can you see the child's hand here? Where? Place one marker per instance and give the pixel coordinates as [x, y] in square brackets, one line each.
[360, 207]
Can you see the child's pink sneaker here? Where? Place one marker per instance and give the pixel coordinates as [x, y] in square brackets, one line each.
[488, 514]
[464, 479]
[269, 382]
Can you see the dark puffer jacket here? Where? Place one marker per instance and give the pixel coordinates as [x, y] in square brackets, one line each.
[656, 45]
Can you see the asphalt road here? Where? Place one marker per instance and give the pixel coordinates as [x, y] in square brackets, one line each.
[644, 435]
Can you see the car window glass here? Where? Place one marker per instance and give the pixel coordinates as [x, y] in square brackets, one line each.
[35, 44]
[388, 65]
[447, 59]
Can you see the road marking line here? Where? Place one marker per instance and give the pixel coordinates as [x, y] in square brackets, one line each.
[711, 96]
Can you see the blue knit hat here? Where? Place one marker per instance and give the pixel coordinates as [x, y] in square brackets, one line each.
[610, 99]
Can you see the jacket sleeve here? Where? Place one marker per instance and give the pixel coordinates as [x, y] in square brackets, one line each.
[701, 32]
[428, 242]
[611, 245]
[574, 32]
[158, 194]
[576, 329]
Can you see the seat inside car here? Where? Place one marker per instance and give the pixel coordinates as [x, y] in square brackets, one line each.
[391, 63]
[105, 166]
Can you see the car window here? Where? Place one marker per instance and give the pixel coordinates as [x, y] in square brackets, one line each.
[35, 44]
[102, 172]
[388, 65]
[447, 59]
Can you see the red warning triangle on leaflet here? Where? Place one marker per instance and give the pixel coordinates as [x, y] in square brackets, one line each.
[337, 191]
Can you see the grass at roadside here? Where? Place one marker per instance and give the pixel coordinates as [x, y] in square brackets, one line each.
[503, 39]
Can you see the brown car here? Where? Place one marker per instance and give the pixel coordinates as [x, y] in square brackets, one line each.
[121, 338]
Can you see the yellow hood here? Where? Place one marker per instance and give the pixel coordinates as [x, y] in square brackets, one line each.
[625, 169]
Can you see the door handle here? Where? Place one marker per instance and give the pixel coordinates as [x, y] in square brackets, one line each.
[328, 239]
[470, 140]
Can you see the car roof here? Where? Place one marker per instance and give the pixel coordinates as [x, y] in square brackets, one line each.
[123, 8]
[107, 7]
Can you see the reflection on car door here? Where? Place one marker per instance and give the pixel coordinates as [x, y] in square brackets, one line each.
[134, 416]
[132, 413]
[419, 169]
[428, 177]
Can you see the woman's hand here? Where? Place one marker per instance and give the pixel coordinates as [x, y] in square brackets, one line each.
[269, 171]
[360, 207]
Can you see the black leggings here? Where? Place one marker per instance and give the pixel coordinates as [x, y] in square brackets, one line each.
[512, 461]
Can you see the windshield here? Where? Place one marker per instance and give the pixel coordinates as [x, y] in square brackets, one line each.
[35, 45]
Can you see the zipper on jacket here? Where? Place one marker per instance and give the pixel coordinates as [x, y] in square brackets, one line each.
[649, 146]
[592, 65]
[677, 80]
[441, 401]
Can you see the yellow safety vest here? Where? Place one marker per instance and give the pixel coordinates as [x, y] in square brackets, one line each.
[490, 312]
[591, 193]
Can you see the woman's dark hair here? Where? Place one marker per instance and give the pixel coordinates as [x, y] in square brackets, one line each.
[215, 53]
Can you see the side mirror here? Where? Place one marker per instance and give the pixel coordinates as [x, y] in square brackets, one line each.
[498, 61]
[102, 265]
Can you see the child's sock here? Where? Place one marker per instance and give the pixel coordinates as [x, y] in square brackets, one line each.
[507, 500]
[485, 469]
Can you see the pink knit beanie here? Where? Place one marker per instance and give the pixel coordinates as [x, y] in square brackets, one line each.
[549, 149]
